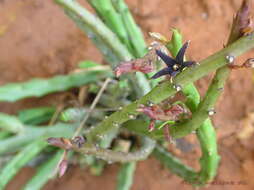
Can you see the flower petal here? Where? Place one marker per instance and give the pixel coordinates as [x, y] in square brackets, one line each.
[166, 59]
[165, 71]
[188, 63]
[180, 54]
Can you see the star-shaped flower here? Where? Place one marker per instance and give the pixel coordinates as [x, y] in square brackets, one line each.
[174, 66]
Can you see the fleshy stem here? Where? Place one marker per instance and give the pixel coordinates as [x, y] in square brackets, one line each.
[19, 160]
[207, 162]
[107, 13]
[165, 90]
[103, 36]
[113, 156]
[202, 112]
[44, 173]
[205, 133]
[174, 164]
[116, 15]
[40, 87]
[31, 133]
[10, 123]
[135, 35]
[125, 176]
[215, 89]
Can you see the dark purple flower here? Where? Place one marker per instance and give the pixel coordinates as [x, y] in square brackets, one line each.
[174, 66]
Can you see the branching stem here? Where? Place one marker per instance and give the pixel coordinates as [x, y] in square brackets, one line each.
[114, 156]
[165, 90]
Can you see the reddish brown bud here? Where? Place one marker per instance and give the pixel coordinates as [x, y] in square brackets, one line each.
[151, 125]
[174, 111]
[166, 133]
[242, 23]
[155, 112]
[151, 111]
[138, 65]
[249, 63]
[145, 64]
[159, 37]
[60, 142]
[124, 68]
[63, 165]
[78, 140]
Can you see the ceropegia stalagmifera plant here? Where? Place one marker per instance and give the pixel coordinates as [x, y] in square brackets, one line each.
[130, 105]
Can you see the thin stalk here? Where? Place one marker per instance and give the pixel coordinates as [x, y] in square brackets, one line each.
[94, 103]
[165, 90]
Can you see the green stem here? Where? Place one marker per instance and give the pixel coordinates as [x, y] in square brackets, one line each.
[36, 116]
[175, 165]
[205, 133]
[140, 127]
[240, 21]
[114, 156]
[202, 112]
[135, 35]
[40, 87]
[23, 157]
[112, 19]
[165, 90]
[109, 55]
[10, 123]
[4, 134]
[44, 173]
[210, 159]
[125, 176]
[97, 26]
[88, 22]
[30, 134]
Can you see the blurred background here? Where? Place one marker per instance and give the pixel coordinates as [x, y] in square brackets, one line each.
[38, 40]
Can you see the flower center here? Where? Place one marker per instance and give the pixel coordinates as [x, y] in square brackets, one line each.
[175, 67]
